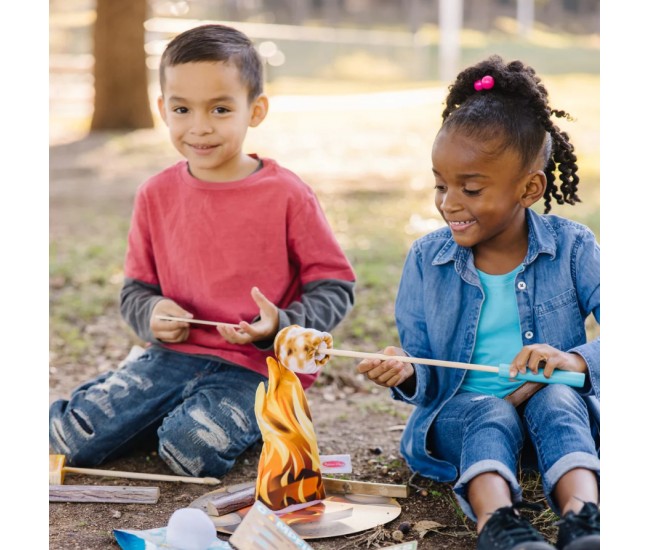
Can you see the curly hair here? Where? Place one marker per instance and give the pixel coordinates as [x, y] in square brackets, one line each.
[517, 110]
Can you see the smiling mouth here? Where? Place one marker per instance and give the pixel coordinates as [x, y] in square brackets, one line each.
[201, 147]
[460, 225]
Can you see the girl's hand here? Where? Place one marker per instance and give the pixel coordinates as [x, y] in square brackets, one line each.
[546, 358]
[263, 329]
[387, 373]
[169, 331]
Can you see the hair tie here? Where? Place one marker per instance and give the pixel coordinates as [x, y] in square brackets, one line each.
[485, 83]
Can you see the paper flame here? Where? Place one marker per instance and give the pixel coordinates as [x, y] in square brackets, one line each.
[289, 467]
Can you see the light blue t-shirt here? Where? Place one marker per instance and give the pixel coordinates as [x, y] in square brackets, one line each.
[498, 336]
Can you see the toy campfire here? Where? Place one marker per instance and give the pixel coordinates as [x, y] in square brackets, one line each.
[289, 470]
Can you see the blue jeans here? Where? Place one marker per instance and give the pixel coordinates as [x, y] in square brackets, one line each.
[481, 433]
[203, 410]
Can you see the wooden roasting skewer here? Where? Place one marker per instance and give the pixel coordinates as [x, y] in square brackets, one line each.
[196, 321]
[58, 471]
[576, 379]
[405, 359]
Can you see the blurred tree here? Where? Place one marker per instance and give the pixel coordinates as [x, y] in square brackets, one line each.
[121, 94]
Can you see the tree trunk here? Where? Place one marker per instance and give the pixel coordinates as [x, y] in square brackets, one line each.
[121, 84]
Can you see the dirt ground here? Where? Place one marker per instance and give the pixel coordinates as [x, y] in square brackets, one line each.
[92, 180]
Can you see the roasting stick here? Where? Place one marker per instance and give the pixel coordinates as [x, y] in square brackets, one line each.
[404, 359]
[575, 379]
[139, 475]
[196, 321]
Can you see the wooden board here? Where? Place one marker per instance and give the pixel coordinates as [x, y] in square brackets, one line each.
[104, 493]
[336, 516]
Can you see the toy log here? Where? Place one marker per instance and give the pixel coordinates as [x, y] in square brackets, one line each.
[101, 493]
[58, 469]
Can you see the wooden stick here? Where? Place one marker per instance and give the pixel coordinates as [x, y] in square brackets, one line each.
[104, 493]
[404, 359]
[196, 321]
[139, 475]
[346, 486]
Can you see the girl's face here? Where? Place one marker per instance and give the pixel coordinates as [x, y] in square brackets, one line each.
[481, 192]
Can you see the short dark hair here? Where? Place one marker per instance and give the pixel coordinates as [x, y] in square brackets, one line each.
[216, 43]
[516, 110]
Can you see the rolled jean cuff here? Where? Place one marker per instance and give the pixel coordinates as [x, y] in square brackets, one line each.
[483, 467]
[568, 462]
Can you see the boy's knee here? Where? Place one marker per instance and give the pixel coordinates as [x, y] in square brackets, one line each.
[185, 457]
[71, 433]
[197, 444]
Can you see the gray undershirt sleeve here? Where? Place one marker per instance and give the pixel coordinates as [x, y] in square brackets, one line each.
[137, 300]
[323, 305]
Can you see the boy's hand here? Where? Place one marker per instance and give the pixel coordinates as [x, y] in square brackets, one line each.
[547, 358]
[388, 373]
[172, 332]
[265, 328]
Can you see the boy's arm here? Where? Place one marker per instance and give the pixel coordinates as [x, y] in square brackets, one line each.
[137, 300]
[324, 303]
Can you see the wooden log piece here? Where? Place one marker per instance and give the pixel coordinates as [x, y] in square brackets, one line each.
[104, 493]
[226, 503]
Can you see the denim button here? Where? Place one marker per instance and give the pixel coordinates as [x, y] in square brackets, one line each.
[528, 334]
[521, 285]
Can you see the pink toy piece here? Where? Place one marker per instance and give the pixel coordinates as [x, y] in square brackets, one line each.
[478, 85]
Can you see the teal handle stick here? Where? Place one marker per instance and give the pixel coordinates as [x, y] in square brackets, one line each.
[575, 379]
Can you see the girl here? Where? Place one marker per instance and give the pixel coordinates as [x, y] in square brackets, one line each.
[502, 284]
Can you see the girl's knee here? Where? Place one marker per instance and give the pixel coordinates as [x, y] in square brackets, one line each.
[493, 408]
[556, 397]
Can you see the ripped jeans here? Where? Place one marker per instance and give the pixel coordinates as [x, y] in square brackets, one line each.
[480, 433]
[203, 410]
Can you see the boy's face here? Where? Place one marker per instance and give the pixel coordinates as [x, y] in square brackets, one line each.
[205, 106]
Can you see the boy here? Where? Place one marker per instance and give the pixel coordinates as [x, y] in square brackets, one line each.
[222, 236]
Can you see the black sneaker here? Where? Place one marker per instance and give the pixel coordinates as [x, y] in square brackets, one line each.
[580, 531]
[507, 530]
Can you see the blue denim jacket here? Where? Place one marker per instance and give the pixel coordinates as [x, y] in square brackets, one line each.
[439, 302]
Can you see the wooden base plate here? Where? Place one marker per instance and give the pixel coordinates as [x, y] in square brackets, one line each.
[337, 515]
